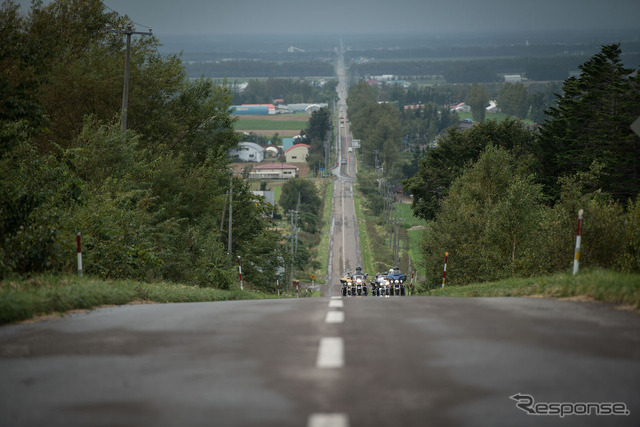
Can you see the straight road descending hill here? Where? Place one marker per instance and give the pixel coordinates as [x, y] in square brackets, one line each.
[345, 248]
[406, 361]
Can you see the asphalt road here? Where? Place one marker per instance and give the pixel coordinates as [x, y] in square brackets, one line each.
[400, 361]
[345, 253]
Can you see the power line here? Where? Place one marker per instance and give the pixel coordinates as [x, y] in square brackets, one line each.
[119, 14]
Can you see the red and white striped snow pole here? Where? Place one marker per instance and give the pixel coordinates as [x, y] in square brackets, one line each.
[444, 273]
[576, 258]
[240, 271]
[78, 240]
[411, 285]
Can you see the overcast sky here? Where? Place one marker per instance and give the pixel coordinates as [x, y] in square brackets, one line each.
[349, 16]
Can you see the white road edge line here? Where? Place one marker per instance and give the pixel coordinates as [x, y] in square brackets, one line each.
[334, 317]
[328, 420]
[330, 353]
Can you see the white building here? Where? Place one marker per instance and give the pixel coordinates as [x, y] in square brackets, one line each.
[247, 152]
[461, 108]
[297, 153]
[274, 171]
[269, 196]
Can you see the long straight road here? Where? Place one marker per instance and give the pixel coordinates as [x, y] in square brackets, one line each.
[345, 249]
[330, 361]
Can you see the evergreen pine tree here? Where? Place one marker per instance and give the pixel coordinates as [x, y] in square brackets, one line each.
[591, 123]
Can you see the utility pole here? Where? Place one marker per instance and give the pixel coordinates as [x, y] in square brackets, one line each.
[297, 219]
[292, 247]
[230, 214]
[125, 92]
[396, 251]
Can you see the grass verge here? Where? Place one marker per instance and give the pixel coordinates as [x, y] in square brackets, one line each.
[365, 243]
[606, 286]
[51, 294]
[327, 213]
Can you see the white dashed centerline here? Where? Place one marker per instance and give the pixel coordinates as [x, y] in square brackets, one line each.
[336, 303]
[330, 353]
[334, 317]
[328, 420]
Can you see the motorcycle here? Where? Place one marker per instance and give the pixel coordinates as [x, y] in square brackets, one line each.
[380, 286]
[360, 285]
[397, 280]
[398, 288]
[346, 285]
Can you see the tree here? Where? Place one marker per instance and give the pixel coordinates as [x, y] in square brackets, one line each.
[149, 205]
[478, 100]
[591, 122]
[488, 221]
[514, 100]
[74, 63]
[304, 191]
[378, 126]
[319, 125]
[361, 95]
[21, 113]
[440, 166]
[315, 135]
[538, 106]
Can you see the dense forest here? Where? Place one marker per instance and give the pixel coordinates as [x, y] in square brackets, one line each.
[149, 202]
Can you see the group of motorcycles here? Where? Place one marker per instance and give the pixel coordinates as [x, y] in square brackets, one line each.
[385, 284]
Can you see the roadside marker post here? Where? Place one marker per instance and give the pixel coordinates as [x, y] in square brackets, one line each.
[576, 258]
[444, 273]
[240, 271]
[78, 241]
[411, 285]
[278, 284]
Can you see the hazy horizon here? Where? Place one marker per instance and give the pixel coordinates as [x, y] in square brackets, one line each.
[351, 17]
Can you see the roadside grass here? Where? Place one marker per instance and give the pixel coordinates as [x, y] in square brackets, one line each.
[327, 213]
[365, 242]
[23, 299]
[605, 286]
[415, 239]
[408, 222]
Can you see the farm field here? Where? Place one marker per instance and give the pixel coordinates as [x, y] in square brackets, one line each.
[283, 124]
